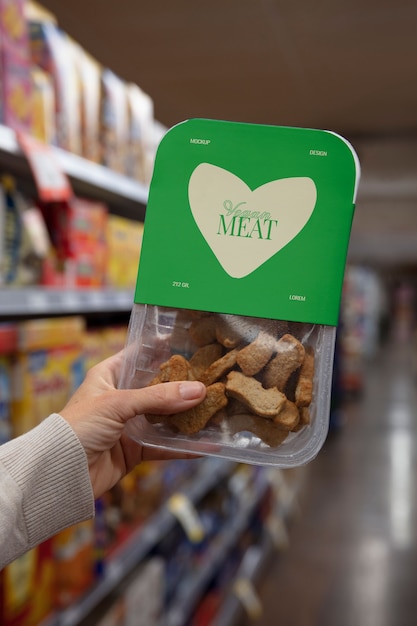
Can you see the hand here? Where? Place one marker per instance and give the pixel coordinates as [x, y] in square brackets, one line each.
[98, 412]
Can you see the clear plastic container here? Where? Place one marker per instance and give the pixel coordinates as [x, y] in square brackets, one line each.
[298, 357]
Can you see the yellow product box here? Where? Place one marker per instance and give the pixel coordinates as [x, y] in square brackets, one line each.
[124, 242]
[43, 107]
[114, 339]
[42, 382]
[38, 334]
[93, 349]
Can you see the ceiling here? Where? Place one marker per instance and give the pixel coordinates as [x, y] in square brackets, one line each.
[347, 65]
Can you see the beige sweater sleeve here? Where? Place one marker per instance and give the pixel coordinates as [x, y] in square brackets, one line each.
[44, 486]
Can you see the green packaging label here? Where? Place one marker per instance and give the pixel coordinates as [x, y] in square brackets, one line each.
[250, 220]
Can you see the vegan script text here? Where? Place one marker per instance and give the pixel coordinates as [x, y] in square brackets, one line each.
[245, 223]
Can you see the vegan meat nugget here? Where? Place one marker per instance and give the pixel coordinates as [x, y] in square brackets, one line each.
[264, 402]
[204, 357]
[289, 357]
[288, 417]
[191, 421]
[176, 368]
[269, 432]
[253, 357]
[219, 368]
[304, 388]
[203, 330]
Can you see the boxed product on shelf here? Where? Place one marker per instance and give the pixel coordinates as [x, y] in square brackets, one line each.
[15, 78]
[43, 107]
[77, 230]
[21, 258]
[246, 296]
[89, 80]
[140, 154]
[114, 121]
[114, 339]
[51, 52]
[27, 587]
[93, 349]
[74, 566]
[47, 369]
[124, 238]
[17, 89]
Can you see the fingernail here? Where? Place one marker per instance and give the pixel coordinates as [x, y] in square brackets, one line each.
[191, 390]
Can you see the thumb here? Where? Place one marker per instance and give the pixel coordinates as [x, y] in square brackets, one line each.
[160, 399]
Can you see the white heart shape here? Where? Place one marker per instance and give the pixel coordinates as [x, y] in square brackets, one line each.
[243, 227]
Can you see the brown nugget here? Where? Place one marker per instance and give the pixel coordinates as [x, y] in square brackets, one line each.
[304, 388]
[204, 357]
[289, 357]
[157, 419]
[192, 421]
[176, 368]
[269, 432]
[203, 330]
[264, 402]
[305, 418]
[253, 357]
[219, 368]
[288, 417]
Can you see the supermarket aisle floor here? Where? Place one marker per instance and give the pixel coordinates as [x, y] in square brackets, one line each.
[352, 559]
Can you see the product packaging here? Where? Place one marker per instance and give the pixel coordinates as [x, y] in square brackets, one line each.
[239, 286]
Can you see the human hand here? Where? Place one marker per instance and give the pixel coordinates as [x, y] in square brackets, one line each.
[98, 412]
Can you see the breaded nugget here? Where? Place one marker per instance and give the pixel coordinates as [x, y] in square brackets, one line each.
[305, 418]
[269, 432]
[192, 421]
[288, 417]
[253, 357]
[249, 391]
[204, 357]
[219, 368]
[176, 368]
[203, 330]
[304, 388]
[289, 357]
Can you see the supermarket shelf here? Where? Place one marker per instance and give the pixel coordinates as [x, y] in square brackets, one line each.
[193, 587]
[211, 472]
[126, 196]
[251, 569]
[31, 301]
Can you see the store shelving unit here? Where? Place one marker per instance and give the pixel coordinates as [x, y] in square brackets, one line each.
[211, 472]
[192, 588]
[125, 197]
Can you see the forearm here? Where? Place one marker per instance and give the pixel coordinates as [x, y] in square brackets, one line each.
[44, 486]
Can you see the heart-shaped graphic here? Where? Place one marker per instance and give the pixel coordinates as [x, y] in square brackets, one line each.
[244, 227]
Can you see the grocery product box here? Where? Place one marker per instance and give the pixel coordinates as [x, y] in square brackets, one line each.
[51, 51]
[27, 587]
[124, 239]
[113, 121]
[239, 285]
[74, 572]
[47, 369]
[16, 89]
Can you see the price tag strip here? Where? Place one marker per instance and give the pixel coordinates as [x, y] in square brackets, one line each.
[248, 596]
[52, 183]
[187, 516]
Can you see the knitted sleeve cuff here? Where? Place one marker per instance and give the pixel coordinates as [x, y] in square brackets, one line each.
[49, 466]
